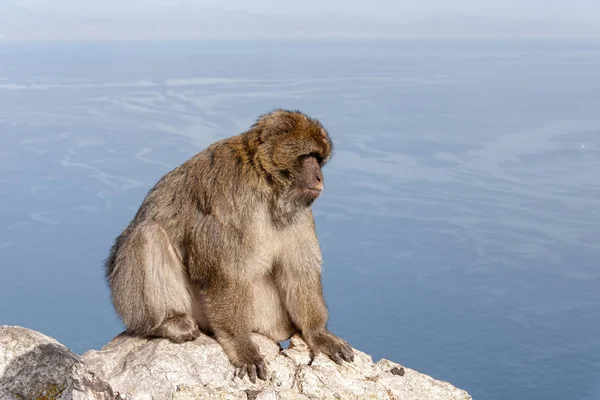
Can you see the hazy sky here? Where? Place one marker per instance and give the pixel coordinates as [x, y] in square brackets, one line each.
[551, 9]
[275, 18]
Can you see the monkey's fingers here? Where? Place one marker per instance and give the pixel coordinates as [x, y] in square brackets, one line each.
[252, 373]
[241, 372]
[336, 358]
[311, 356]
[262, 371]
[347, 353]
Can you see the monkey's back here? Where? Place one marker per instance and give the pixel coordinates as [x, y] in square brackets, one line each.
[215, 182]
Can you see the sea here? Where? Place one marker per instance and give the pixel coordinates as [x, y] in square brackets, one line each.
[460, 221]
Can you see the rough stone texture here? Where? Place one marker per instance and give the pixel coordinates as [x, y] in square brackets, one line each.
[85, 384]
[139, 369]
[32, 365]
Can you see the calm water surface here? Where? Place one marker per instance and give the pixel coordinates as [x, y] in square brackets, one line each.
[460, 221]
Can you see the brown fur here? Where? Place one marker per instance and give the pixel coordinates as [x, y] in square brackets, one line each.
[226, 243]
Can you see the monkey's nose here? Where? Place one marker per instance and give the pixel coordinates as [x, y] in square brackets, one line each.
[319, 184]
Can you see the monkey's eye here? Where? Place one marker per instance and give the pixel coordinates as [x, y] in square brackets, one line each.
[315, 155]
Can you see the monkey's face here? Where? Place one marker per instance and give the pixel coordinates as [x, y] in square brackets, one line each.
[307, 180]
[292, 150]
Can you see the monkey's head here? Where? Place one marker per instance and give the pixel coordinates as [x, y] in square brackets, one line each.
[293, 150]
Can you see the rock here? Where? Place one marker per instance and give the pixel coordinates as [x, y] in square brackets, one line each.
[36, 366]
[33, 365]
[85, 384]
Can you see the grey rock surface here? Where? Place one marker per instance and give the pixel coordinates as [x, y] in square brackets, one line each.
[32, 365]
[140, 369]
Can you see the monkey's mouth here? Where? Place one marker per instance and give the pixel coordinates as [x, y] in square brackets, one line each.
[312, 192]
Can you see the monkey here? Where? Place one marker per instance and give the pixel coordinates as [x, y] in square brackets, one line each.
[225, 244]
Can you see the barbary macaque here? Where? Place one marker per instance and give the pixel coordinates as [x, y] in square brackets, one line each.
[226, 244]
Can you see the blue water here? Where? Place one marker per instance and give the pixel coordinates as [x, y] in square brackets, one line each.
[460, 220]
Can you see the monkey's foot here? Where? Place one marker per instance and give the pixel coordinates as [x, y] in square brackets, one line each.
[250, 362]
[332, 346]
[178, 329]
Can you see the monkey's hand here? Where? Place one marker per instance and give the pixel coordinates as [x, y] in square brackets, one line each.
[332, 346]
[249, 361]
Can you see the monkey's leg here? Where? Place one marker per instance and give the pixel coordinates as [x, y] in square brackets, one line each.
[303, 295]
[228, 310]
[150, 289]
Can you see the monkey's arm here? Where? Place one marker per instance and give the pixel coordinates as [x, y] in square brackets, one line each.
[216, 265]
[299, 281]
[228, 312]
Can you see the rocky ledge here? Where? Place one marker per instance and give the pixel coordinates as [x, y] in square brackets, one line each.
[35, 366]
